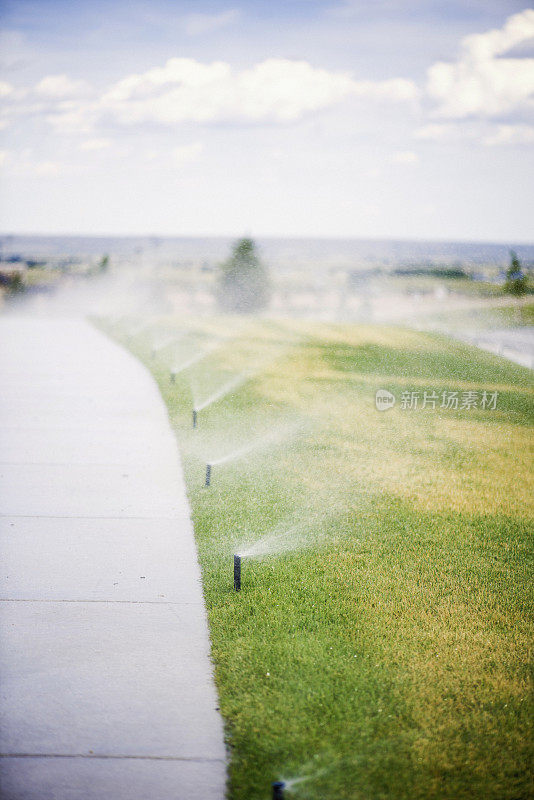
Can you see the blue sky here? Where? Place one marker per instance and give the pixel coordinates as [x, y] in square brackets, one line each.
[346, 118]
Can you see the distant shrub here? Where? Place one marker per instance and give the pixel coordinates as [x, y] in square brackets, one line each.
[433, 272]
[14, 285]
[100, 268]
[103, 264]
[516, 279]
[243, 282]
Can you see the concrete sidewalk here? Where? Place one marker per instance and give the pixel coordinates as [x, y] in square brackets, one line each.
[515, 344]
[107, 688]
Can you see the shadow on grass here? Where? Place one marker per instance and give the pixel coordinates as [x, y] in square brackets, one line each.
[447, 359]
[443, 369]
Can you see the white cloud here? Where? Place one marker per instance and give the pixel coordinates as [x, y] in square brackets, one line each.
[5, 89]
[186, 154]
[483, 82]
[181, 90]
[519, 28]
[66, 104]
[275, 90]
[511, 134]
[285, 90]
[22, 162]
[395, 89]
[404, 157]
[446, 132]
[198, 24]
[72, 117]
[95, 144]
[60, 86]
[434, 132]
[46, 169]
[477, 131]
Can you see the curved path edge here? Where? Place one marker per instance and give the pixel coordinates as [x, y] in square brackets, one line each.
[107, 687]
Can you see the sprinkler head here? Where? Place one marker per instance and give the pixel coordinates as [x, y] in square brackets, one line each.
[173, 377]
[278, 790]
[194, 418]
[208, 474]
[237, 581]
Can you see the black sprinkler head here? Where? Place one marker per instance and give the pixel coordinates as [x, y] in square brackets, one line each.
[278, 790]
[208, 474]
[173, 377]
[237, 579]
[194, 418]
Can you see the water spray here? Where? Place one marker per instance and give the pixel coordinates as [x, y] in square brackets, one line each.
[238, 380]
[237, 573]
[161, 345]
[138, 329]
[208, 474]
[278, 790]
[189, 362]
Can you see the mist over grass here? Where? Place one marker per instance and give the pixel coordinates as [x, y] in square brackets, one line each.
[379, 646]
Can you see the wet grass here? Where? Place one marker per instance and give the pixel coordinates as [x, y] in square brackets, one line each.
[384, 651]
[518, 313]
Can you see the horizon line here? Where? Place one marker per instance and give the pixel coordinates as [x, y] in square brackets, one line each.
[318, 237]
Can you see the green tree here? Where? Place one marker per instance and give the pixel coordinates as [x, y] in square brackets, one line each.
[103, 264]
[100, 268]
[243, 282]
[16, 286]
[516, 280]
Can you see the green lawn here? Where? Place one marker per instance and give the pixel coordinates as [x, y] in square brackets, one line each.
[488, 316]
[383, 650]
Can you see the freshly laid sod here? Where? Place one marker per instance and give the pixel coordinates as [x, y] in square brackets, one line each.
[381, 648]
